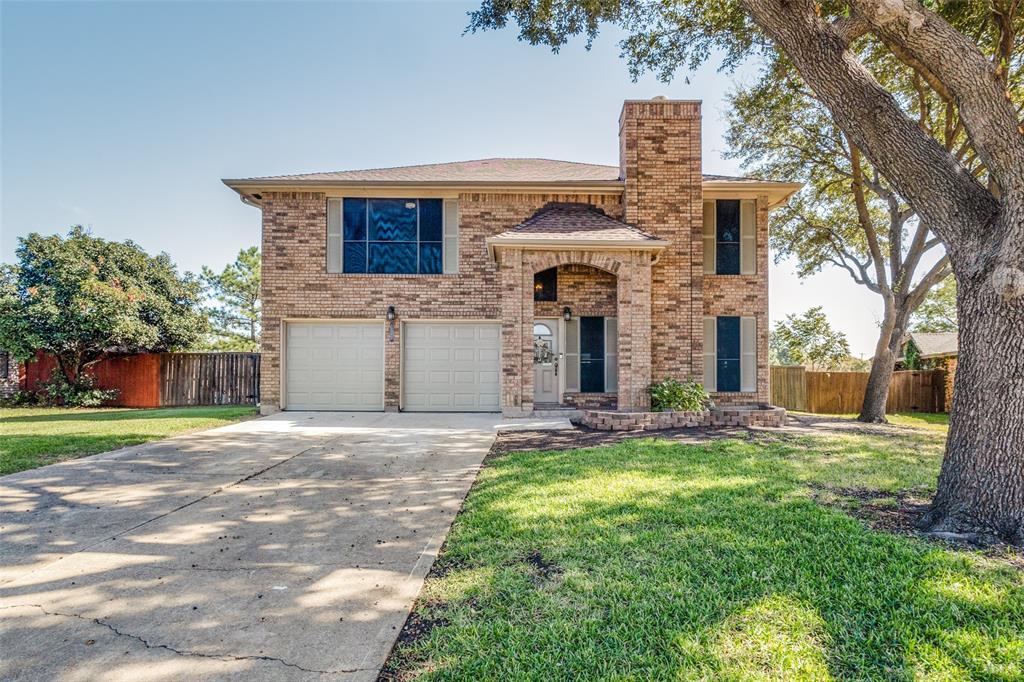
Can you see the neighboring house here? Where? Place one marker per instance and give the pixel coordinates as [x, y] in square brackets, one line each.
[933, 350]
[9, 375]
[515, 284]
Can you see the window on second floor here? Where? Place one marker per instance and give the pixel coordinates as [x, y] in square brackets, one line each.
[730, 228]
[392, 236]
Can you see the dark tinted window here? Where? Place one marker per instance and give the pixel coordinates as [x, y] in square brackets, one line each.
[728, 353]
[355, 219]
[545, 285]
[431, 220]
[727, 236]
[393, 236]
[392, 257]
[592, 354]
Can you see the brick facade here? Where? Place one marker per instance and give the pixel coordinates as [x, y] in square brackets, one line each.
[746, 295]
[659, 305]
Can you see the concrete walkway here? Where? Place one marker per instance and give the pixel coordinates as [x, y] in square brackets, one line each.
[284, 548]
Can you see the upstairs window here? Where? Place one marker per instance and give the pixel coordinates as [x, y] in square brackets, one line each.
[727, 237]
[392, 236]
[545, 285]
[730, 229]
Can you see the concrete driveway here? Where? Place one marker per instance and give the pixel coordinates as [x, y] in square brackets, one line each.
[284, 548]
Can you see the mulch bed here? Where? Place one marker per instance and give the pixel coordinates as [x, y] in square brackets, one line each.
[582, 437]
[898, 512]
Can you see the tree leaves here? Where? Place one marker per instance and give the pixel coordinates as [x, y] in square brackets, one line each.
[82, 298]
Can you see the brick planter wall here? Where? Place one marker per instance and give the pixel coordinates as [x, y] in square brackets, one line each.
[610, 420]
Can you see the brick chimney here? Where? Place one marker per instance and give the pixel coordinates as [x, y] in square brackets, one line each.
[660, 160]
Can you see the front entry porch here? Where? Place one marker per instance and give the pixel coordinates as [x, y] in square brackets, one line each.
[585, 345]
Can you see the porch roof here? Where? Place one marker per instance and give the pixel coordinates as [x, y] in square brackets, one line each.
[572, 225]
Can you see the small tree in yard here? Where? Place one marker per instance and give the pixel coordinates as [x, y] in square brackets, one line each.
[978, 216]
[809, 340]
[235, 319]
[937, 313]
[82, 299]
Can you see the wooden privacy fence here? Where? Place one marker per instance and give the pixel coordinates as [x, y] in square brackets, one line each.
[209, 379]
[843, 392]
[167, 379]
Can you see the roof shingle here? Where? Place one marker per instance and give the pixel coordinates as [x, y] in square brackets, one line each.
[497, 170]
[572, 221]
[936, 344]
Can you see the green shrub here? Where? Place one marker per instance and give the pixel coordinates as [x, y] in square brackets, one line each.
[57, 390]
[672, 394]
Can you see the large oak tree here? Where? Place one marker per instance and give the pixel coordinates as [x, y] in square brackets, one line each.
[979, 220]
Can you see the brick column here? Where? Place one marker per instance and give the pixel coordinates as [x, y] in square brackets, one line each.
[392, 366]
[526, 340]
[634, 313]
[510, 277]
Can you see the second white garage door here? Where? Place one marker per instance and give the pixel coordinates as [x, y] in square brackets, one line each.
[452, 367]
[334, 366]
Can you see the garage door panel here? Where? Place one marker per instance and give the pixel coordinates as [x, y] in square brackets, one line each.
[451, 366]
[334, 366]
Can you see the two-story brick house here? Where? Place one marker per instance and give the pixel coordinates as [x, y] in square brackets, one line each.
[511, 284]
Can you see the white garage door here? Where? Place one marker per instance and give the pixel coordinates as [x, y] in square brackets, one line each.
[452, 367]
[334, 366]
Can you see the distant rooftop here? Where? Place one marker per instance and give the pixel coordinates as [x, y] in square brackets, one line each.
[935, 345]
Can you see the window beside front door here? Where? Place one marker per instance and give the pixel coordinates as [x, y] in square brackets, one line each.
[392, 236]
[730, 241]
[591, 355]
[730, 354]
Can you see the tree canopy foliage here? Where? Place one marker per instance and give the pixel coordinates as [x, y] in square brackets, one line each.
[937, 313]
[235, 314]
[808, 340]
[82, 298]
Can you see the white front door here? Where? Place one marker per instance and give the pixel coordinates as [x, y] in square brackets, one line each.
[546, 349]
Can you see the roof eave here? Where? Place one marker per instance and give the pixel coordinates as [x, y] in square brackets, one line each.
[560, 243]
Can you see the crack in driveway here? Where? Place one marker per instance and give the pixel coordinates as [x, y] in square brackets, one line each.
[179, 652]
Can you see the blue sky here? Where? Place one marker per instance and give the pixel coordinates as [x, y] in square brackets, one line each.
[124, 116]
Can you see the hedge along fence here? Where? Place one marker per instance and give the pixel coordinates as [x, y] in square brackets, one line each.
[843, 392]
[167, 379]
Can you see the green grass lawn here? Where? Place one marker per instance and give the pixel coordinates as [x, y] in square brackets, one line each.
[33, 437]
[653, 560]
[922, 420]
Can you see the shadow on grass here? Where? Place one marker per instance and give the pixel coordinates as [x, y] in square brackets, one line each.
[701, 562]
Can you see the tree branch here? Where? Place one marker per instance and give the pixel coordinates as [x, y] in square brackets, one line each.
[920, 169]
[926, 42]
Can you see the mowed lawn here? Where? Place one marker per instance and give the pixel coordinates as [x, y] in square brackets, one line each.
[33, 437]
[653, 560]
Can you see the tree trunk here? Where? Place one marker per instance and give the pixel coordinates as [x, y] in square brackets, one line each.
[887, 350]
[981, 486]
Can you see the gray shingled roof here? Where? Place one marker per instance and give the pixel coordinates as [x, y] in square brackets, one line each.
[938, 344]
[570, 221]
[498, 170]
